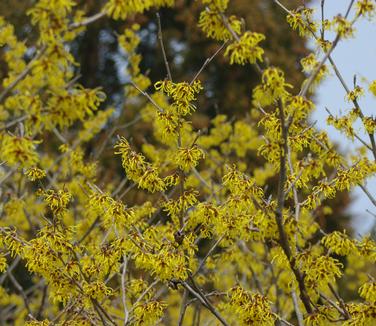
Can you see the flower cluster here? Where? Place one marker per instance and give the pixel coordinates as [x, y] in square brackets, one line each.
[18, 151]
[251, 308]
[302, 21]
[246, 49]
[272, 88]
[212, 24]
[137, 169]
[182, 94]
[120, 9]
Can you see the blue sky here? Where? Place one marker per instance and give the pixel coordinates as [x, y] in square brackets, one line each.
[355, 56]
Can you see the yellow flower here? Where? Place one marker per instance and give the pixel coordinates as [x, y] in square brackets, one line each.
[97, 290]
[149, 313]
[221, 5]
[10, 239]
[182, 94]
[18, 150]
[369, 124]
[187, 158]
[361, 314]
[95, 124]
[365, 7]
[38, 323]
[246, 49]
[169, 122]
[273, 87]
[310, 63]
[3, 263]
[175, 207]
[35, 173]
[339, 243]
[321, 270]
[212, 25]
[316, 319]
[137, 169]
[343, 27]
[368, 292]
[372, 88]
[302, 21]
[57, 200]
[150, 180]
[250, 309]
[355, 93]
[120, 9]
[118, 215]
[129, 40]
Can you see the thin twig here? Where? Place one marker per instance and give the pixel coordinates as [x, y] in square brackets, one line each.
[88, 20]
[59, 135]
[322, 5]
[283, 7]
[307, 84]
[145, 292]
[183, 307]
[20, 290]
[294, 190]
[355, 102]
[9, 173]
[147, 96]
[160, 38]
[123, 292]
[99, 152]
[285, 321]
[211, 294]
[340, 300]
[202, 263]
[89, 230]
[99, 313]
[207, 61]
[42, 303]
[13, 122]
[205, 303]
[22, 75]
[10, 269]
[333, 304]
[298, 313]
[349, 8]
[369, 212]
[120, 187]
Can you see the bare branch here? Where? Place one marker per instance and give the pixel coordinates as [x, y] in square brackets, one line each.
[202, 263]
[298, 313]
[207, 61]
[20, 290]
[204, 302]
[279, 212]
[123, 292]
[183, 307]
[13, 122]
[160, 38]
[340, 300]
[22, 75]
[147, 96]
[88, 20]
